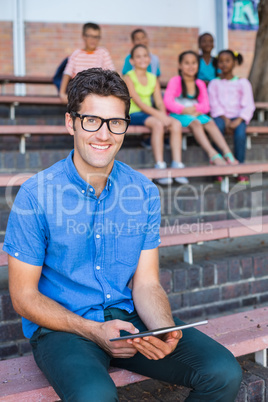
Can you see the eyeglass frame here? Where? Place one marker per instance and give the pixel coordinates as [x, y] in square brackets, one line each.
[95, 37]
[107, 121]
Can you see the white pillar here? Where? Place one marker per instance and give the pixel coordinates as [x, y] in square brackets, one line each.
[221, 25]
[19, 43]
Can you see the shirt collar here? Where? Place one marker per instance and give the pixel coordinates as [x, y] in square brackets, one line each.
[77, 180]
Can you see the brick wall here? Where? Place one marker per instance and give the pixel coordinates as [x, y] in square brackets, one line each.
[47, 44]
[197, 291]
[6, 48]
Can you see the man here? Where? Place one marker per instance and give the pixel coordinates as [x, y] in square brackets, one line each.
[81, 59]
[78, 234]
[139, 37]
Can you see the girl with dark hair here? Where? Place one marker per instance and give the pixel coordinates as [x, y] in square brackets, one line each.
[231, 103]
[186, 99]
[207, 70]
[142, 86]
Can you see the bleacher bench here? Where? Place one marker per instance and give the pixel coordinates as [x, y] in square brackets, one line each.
[191, 171]
[24, 131]
[241, 333]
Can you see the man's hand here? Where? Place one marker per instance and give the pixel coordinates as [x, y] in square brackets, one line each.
[111, 329]
[154, 348]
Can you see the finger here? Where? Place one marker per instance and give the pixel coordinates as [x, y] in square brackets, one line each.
[153, 346]
[149, 354]
[126, 326]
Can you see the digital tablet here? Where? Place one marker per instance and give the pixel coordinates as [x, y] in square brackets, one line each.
[159, 331]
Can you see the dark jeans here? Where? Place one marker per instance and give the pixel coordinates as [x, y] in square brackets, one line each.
[240, 138]
[77, 368]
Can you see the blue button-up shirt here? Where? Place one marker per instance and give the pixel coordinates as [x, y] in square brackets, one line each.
[88, 247]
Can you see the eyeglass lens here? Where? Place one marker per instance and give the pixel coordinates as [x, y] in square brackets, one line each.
[116, 126]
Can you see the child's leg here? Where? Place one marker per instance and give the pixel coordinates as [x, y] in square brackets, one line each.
[240, 138]
[220, 123]
[157, 138]
[200, 136]
[175, 130]
[217, 137]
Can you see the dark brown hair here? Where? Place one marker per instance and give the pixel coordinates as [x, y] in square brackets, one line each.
[96, 81]
[183, 85]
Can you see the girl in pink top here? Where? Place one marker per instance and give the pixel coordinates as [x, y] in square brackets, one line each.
[186, 99]
[231, 103]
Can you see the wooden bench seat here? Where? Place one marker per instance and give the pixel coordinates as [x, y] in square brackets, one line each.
[15, 100]
[24, 131]
[241, 333]
[197, 233]
[7, 180]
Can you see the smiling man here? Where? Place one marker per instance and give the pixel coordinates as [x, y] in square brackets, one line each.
[78, 234]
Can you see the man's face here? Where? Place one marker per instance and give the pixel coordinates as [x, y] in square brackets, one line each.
[91, 39]
[94, 152]
[140, 39]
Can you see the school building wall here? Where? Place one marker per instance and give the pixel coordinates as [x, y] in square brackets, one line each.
[46, 44]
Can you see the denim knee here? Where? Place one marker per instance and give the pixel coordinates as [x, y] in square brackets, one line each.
[105, 393]
[223, 378]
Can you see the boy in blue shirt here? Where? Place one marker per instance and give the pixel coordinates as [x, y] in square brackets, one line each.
[79, 232]
[139, 37]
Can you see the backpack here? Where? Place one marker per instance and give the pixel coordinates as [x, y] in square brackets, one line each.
[59, 72]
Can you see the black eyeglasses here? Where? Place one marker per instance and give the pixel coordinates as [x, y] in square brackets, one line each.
[96, 37]
[94, 123]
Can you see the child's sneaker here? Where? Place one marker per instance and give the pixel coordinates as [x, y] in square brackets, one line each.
[165, 180]
[180, 180]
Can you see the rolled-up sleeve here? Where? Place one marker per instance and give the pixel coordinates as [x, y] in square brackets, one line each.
[26, 234]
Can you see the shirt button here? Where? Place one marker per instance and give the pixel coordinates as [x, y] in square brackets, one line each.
[91, 189]
[83, 191]
[98, 267]
[16, 254]
[97, 236]
[108, 296]
[99, 202]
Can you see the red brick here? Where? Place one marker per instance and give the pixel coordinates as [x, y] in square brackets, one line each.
[166, 280]
[234, 291]
[11, 331]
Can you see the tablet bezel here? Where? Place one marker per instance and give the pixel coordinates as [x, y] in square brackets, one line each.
[159, 331]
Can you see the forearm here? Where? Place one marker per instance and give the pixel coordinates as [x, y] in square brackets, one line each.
[152, 305]
[63, 86]
[45, 312]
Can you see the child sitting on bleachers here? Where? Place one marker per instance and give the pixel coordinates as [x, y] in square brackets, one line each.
[139, 37]
[186, 99]
[207, 70]
[231, 103]
[142, 85]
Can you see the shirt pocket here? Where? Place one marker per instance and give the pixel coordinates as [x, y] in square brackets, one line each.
[128, 246]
